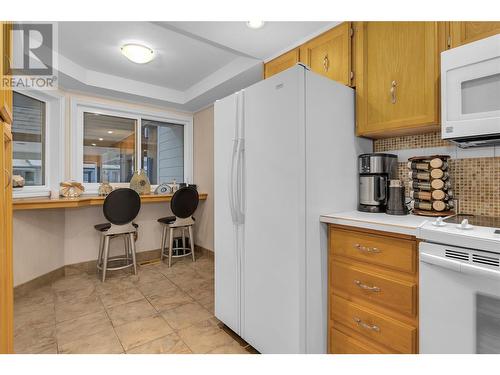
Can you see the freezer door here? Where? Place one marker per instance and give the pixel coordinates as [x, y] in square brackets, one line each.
[273, 269]
[227, 261]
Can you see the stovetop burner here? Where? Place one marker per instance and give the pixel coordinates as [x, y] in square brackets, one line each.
[481, 221]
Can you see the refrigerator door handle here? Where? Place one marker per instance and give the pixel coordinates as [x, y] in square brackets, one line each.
[240, 200]
[232, 180]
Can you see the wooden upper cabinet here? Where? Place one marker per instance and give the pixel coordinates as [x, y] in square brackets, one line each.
[330, 54]
[6, 48]
[464, 32]
[280, 63]
[397, 78]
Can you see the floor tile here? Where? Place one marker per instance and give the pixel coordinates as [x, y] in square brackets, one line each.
[169, 299]
[131, 312]
[116, 298]
[36, 297]
[185, 315]
[77, 308]
[31, 318]
[70, 295]
[204, 336]
[142, 331]
[156, 287]
[232, 348]
[35, 340]
[72, 283]
[79, 328]
[103, 342]
[170, 344]
[148, 274]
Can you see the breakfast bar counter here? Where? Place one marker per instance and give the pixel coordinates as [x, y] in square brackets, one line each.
[43, 203]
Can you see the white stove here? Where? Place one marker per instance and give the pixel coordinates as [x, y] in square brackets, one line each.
[459, 285]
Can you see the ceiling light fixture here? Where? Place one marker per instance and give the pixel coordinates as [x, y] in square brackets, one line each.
[101, 139]
[110, 131]
[255, 24]
[93, 144]
[138, 53]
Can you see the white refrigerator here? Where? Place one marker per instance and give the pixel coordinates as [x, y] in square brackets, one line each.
[284, 153]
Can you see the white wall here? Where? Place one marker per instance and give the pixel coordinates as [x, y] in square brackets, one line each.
[38, 243]
[203, 172]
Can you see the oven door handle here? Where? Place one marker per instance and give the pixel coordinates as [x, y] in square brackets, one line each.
[454, 265]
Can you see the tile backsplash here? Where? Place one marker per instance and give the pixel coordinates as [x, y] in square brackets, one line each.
[474, 174]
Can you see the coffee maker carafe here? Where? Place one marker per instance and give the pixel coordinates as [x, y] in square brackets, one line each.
[375, 170]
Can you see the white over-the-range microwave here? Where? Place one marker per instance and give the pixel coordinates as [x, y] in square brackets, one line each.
[470, 93]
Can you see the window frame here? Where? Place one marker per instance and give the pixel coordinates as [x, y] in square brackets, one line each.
[79, 107]
[53, 162]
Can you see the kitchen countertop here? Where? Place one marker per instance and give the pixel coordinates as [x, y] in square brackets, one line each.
[405, 224]
[82, 201]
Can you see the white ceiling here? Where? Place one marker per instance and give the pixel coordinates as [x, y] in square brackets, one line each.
[196, 63]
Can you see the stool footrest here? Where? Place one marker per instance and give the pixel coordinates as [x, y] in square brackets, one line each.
[130, 263]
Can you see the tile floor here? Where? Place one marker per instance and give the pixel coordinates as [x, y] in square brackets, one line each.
[161, 310]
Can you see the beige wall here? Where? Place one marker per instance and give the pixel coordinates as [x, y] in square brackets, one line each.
[203, 172]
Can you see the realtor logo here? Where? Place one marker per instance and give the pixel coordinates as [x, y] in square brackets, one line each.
[34, 59]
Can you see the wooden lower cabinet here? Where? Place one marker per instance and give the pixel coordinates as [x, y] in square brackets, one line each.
[373, 294]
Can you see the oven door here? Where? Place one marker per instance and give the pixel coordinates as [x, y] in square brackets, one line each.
[470, 89]
[459, 304]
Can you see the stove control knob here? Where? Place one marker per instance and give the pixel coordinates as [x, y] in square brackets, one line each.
[465, 225]
[439, 222]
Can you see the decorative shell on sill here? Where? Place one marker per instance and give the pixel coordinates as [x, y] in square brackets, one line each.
[17, 181]
[71, 189]
[104, 189]
[140, 182]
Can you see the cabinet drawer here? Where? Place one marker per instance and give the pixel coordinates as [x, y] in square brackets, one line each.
[340, 343]
[395, 294]
[389, 252]
[377, 327]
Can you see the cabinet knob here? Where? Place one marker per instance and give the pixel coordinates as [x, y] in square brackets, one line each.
[326, 63]
[393, 92]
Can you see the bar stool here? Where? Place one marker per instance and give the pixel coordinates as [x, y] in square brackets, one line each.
[120, 207]
[183, 204]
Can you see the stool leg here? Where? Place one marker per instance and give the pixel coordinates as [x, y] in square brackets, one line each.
[183, 241]
[163, 241]
[191, 241]
[127, 248]
[132, 245]
[99, 258]
[105, 257]
[171, 245]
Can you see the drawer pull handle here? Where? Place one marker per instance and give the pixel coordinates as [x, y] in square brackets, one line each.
[368, 250]
[359, 284]
[393, 92]
[371, 327]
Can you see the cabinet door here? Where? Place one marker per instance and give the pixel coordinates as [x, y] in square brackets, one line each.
[280, 63]
[330, 54]
[397, 79]
[465, 32]
[6, 48]
[6, 276]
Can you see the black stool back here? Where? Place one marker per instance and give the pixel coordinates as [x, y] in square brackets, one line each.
[121, 206]
[184, 202]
